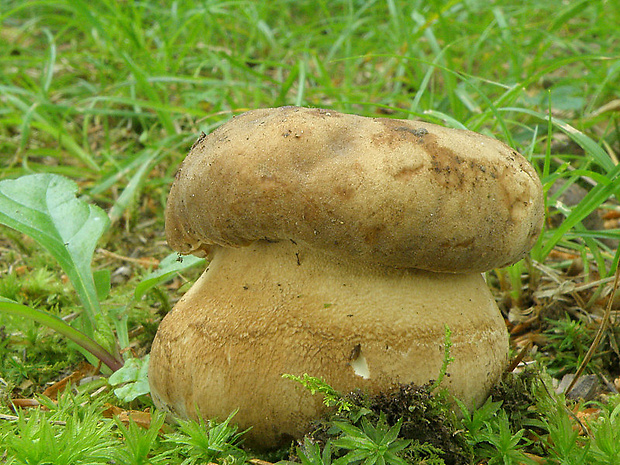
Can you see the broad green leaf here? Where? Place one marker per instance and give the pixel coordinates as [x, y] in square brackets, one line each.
[168, 267]
[103, 283]
[564, 98]
[44, 207]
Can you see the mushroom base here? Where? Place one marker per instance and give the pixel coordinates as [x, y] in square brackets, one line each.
[261, 311]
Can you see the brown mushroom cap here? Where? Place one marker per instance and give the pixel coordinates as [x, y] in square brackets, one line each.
[399, 193]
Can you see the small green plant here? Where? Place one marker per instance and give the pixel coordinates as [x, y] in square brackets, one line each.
[63, 439]
[310, 453]
[563, 442]
[131, 380]
[499, 445]
[475, 422]
[447, 358]
[73, 430]
[331, 397]
[569, 341]
[138, 443]
[370, 444]
[605, 446]
[208, 441]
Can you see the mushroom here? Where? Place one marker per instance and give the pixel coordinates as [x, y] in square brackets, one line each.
[340, 246]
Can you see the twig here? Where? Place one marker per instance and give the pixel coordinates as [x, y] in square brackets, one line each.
[15, 418]
[145, 262]
[599, 333]
[518, 358]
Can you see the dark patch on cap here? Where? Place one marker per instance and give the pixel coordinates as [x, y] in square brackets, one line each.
[445, 163]
[452, 170]
[398, 131]
[372, 234]
[406, 173]
[417, 132]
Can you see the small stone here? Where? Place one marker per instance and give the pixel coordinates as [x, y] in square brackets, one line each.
[585, 388]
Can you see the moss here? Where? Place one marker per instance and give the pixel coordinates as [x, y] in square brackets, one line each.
[427, 418]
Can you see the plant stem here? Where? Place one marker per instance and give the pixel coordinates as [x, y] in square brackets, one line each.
[58, 325]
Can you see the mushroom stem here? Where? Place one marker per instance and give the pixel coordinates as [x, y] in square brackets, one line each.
[268, 309]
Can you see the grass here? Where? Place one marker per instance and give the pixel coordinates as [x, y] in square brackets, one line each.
[112, 94]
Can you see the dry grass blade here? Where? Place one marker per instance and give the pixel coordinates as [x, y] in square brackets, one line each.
[599, 333]
[259, 462]
[15, 418]
[515, 363]
[147, 262]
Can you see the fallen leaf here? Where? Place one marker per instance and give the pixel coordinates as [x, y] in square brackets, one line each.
[25, 403]
[85, 369]
[139, 417]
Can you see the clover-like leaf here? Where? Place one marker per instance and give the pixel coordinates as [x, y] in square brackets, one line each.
[133, 378]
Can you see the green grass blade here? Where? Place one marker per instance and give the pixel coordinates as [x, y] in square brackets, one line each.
[590, 202]
[168, 267]
[34, 117]
[48, 76]
[592, 148]
[133, 186]
[142, 79]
